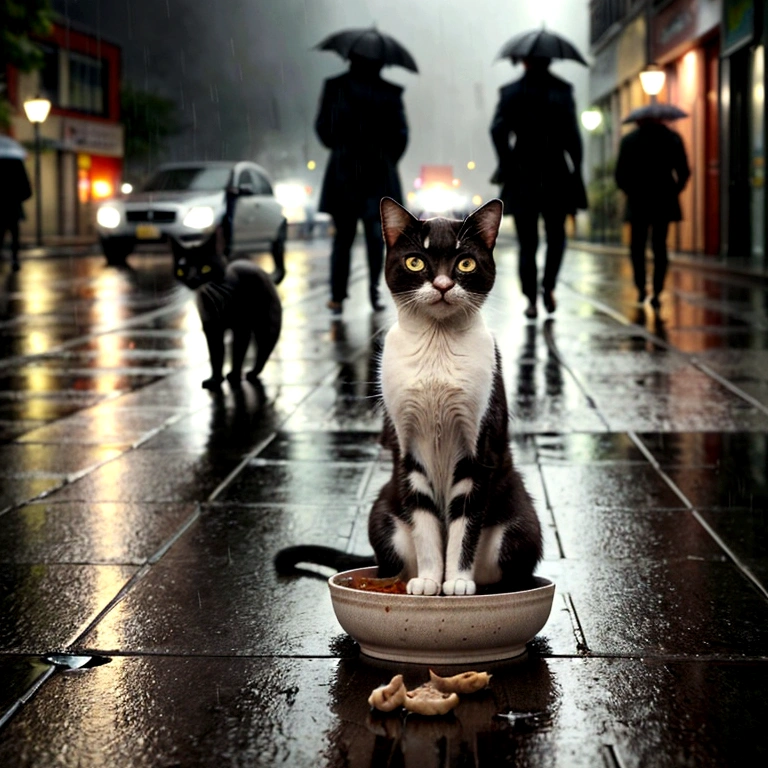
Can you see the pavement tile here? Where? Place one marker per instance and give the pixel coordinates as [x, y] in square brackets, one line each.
[587, 448]
[627, 534]
[650, 608]
[19, 674]
[309, 712]
[287, 482]
[22, 459]
[46, 606]
[322, 445]
[94, 533]
[216, 591]
[628, 485]
[134, 477]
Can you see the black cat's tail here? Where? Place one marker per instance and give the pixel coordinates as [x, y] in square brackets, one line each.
[287, 559]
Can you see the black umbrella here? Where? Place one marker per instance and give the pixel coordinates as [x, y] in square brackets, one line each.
[369, 44]
[540, 44]
[655, 111]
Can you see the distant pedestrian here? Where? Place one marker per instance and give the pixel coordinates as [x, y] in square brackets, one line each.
[652, 169]
[362, 121]
[538, 144]
[14, 190]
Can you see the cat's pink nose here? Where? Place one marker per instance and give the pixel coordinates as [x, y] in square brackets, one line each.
[443, 283]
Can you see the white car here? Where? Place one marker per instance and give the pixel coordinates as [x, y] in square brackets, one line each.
[190, 205]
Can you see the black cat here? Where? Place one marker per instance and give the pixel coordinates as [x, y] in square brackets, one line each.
[455, 513]
[239, 296]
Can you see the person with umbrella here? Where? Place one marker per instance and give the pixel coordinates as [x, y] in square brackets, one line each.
[14, 190]
[652, 170]
[540, 171]
[362, 121]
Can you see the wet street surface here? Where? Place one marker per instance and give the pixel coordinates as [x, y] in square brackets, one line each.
[139, 515]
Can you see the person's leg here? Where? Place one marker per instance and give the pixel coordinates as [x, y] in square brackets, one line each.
[374, 244]
[659, 231]
[638, 240]
[554, 226]
[527, 226]
[346, 228]
[14, 228]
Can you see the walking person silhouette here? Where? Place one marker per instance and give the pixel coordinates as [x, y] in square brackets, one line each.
[362, 121]
[540, 172]
[652, 170]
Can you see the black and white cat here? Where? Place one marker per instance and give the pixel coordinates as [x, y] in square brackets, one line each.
[455, 514]
[239, 296]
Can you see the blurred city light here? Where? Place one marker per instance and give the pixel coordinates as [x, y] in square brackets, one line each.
[652, 79]
[591, 119]
[126, 188]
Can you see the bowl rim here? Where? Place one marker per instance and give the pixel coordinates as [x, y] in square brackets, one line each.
[544, 586]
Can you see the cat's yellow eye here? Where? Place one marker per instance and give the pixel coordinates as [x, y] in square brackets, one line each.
[180, 272]
[206, 269]
[414, 263]
[467, 265]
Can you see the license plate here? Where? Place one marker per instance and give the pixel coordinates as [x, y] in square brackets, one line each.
[147, 232]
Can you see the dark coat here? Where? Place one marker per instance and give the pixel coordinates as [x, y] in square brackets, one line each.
[362, 121]
[14, 189]
[543, 169]
[652, 170]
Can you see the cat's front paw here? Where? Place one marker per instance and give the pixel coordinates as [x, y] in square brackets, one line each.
[459, 587]
[423, 587]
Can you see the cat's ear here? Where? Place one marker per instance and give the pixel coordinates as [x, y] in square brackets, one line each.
[484, 223]
[394, 220]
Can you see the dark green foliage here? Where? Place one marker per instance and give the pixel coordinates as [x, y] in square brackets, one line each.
[20, 22]
[149, 121]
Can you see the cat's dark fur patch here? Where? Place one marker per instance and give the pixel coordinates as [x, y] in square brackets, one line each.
[237, 296]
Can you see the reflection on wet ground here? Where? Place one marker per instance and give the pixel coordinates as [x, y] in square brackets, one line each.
[139, 515]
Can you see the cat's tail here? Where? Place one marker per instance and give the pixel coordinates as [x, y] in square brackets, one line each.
[287, 559]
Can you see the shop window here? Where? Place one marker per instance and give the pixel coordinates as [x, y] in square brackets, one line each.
[87, 84]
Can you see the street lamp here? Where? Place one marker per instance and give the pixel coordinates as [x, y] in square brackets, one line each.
[652, 79]
[593, 121]
[37, 110]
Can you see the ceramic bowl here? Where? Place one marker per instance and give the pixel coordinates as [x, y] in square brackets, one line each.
[443, 629]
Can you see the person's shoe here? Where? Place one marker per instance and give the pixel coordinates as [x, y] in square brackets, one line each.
[15, 266]
[334, 306]
[531, 312]
[549, 301]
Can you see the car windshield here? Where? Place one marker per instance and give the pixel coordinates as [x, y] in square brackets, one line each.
[207, 179]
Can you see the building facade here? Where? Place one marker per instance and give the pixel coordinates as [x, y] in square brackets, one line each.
[712, 54]
[81, 154]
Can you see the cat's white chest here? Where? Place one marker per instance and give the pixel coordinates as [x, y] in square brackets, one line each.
[436, 385]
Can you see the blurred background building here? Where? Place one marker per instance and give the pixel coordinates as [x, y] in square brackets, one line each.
[712, 53]
[81, 140]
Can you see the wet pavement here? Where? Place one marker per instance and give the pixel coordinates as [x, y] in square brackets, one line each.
[139, 515]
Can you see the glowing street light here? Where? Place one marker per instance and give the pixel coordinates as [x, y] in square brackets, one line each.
[37, 110]
[591, 119]
[652, 79]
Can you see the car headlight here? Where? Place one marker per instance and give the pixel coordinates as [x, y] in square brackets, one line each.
[108, 217]
[199, 217]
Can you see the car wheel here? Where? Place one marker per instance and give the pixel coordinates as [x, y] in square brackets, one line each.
[117, 250]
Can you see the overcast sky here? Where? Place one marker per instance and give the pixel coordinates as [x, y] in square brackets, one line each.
[247, 80]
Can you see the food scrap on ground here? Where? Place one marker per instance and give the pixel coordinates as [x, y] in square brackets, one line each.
[437, 697]
[427, 700]
[385, 698]
[466, 682]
